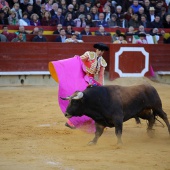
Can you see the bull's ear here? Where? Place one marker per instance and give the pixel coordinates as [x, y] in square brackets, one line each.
[65, 98]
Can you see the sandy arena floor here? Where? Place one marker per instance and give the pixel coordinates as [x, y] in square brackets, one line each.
[33, 135]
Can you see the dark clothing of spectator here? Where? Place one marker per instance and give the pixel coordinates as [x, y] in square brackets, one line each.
[102, 23]
[29, 14]
[59, 39]
[123, 24]
[39, 39]
[166, 24]
[154, 24]
[100, 34]
[50, 22]
[68, 22]
[85, 33]
[37, 10]
[167, 41]
[23, 7]
[9, 36]
[56, 32]
[58, 20]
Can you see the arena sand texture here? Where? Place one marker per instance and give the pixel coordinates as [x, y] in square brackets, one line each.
[33, 135]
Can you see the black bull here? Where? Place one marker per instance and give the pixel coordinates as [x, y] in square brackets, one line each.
[110, 106]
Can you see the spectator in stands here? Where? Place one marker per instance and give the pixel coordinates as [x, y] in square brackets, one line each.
[3, 20]
[119, 12]
[128, 15]
[81, 10]
[12, 19]
[89, 20]
[34, 21]
[155, 31]
[68, 20]
[80, 21]
[101, 32]
[122, 22]
[88, 6]
[37, 7]
[6, 11]
[107, 13]
[166, 24]
[121, 39]
[158, 7]
[146, 6]
[151, 15]
[75, 5]
[47, 20]
[23, 5]
[140, 13]
[127, 4]
[12, 2]
[62, 37]
[3, 38]
[63, 6]
[24, 21]
[70, 11]
[144, 21]
[19, 38]
[166, 40]
[99, 6]
[69, 30]
[135, 6]
[29, 11]
[48, 5]
[8, 35]
[115, 35]
[141, 29]
[73, 39]
[157, 23]
[134, 21]
[131, 31]
[57, 31]
[163, 14]
[54, 9]
[17, 10]
[112, 5]
[3, 3]
[35, 31]
[23, 31]
[113, 21]
[58, 17]
[94, 13]
[86, 31]
[101, 21]
[141, 39]
[40, 37]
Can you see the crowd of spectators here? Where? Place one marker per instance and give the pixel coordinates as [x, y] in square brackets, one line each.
[130, 14]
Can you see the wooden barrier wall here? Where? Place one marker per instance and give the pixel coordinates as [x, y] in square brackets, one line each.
[35, 56]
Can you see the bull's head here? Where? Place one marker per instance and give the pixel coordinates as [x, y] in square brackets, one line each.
[75, 107]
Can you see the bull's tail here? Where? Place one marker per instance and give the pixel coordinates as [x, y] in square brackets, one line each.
[162, 115]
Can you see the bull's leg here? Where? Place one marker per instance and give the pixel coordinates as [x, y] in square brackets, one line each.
[137, 120]
[163, 115]
[151, 122]
[118, 129]
[98, 133]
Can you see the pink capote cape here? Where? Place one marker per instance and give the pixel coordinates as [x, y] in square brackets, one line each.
[71, 77]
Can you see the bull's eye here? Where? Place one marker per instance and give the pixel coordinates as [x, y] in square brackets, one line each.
[73, 102]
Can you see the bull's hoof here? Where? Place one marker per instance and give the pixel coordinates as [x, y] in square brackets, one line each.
[151, 133]
[91, 143]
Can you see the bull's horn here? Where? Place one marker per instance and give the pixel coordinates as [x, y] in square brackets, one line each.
[78, 96]
[65, 98]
